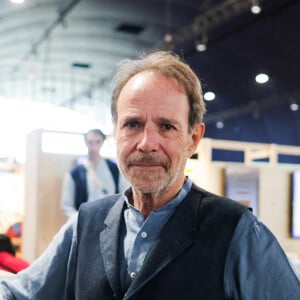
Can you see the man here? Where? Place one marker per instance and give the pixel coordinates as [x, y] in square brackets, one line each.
[93, 179]
[164, 238]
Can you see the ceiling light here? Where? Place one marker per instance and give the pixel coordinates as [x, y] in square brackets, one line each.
[168, 38]
[209, 96]
[220, 125]
[17, 1]
[255, 7]
[294, 107]
[261, 78]
[201, 47]
[201, 44]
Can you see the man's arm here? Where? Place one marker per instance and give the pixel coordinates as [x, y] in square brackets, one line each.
[46, 278]
[256, 266]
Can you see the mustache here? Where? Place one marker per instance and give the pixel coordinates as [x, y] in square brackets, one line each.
[146, 159]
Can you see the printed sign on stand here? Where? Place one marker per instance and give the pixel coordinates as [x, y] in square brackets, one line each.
[241, 184]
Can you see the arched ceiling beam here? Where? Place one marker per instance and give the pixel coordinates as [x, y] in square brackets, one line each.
[46, 34]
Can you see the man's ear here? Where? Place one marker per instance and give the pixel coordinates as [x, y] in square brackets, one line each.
[197, 134]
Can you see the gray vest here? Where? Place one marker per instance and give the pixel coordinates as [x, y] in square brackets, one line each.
[187, 262]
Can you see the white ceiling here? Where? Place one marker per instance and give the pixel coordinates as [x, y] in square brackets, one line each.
[64, 51]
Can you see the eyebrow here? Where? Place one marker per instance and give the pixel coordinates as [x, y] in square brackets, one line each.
[92, 141]
[166, 120]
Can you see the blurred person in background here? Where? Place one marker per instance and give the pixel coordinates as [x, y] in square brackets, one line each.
[92, 179]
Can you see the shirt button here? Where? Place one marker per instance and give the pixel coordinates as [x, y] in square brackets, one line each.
[144, 234]
[133, 275]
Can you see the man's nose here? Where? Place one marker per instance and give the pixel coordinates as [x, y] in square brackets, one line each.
[148, 140]
[94, 143]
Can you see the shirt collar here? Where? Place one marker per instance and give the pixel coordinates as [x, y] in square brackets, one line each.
[172, 203]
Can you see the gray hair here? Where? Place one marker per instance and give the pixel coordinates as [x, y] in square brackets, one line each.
[169, 65]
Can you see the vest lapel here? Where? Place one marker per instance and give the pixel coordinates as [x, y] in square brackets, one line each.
[109, 245]
[173, 240]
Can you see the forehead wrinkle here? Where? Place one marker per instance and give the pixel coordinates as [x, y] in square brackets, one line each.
[165, 120]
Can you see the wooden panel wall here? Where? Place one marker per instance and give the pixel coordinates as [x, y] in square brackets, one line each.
[43, 215]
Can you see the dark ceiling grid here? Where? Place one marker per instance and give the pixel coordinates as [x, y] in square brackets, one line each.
[48, 31]
[282, 67]
[207, 20]
[34, 17]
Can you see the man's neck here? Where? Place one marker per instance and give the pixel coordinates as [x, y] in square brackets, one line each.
[94, 159]
[145, 203]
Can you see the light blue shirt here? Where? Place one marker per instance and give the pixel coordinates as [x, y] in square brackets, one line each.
[256, 266]
[142, 233]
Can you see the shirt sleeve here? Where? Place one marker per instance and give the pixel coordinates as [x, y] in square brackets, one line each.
[68, 196]
[256, 265]
[49, 276]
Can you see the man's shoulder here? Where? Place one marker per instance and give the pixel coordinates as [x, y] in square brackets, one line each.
[110, 161]
[78, 169]
[93, 214]
[217, 202]
[103, 204]
[112, 165]
[216, 216]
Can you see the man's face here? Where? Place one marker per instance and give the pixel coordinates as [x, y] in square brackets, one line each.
[152, 133]
[93, 142]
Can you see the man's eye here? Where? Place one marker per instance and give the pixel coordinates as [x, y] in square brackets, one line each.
[168, 127]
[131, 124]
